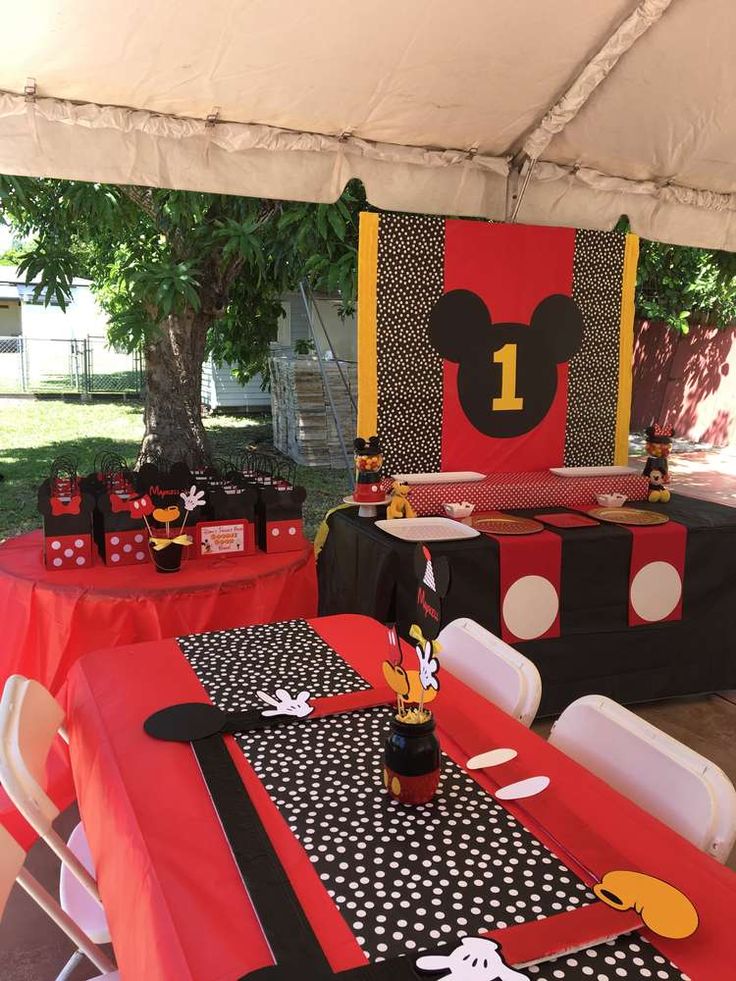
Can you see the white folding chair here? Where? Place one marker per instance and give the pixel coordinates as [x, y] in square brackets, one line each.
[660, 774]
[12, 858]
[30, 718]
[490, 667]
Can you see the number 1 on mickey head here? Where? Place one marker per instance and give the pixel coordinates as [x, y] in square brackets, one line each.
[509, 400]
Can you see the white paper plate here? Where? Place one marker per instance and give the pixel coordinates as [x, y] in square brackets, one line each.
[441, 477]
[591, 471]
[426, 529]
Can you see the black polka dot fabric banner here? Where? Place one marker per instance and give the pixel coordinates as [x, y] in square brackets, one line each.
[404, 879]
[410, 277]
[592, 394]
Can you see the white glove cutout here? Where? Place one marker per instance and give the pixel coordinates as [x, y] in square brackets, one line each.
[428, 666]
[476, 959]
[284, 704]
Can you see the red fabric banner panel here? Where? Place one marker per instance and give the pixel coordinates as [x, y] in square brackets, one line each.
[530, 574]
[657, 573]
[512, 268]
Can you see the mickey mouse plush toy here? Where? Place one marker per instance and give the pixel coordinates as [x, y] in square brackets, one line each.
[659, 441]
[507, 378]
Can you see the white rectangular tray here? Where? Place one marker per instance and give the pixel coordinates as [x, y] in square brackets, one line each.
[426, 529]
[441, 477]
[591, 471]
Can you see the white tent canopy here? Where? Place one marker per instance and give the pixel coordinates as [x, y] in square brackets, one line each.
[566, 112]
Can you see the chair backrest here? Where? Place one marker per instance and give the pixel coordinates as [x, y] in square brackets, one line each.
[12, 857]
[490, 667]
[663, 776]
[30, 718]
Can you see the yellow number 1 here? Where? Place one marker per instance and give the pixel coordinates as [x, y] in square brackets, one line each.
[509, 401]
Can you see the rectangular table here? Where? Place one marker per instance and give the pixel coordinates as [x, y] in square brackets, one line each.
[361, 569]
[375, 879]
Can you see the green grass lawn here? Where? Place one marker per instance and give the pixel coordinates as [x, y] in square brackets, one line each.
[33, 433]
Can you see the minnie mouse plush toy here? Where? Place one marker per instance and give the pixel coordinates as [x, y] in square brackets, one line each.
[659, 441]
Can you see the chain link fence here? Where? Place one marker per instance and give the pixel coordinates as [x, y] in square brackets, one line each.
[80, 366]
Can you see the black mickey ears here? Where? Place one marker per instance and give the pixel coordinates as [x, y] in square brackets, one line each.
[559, 318]
[369, 447]
[459, 325]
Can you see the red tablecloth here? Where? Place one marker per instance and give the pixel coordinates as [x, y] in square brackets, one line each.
[51, 618]
[536, 489]
[175, 902]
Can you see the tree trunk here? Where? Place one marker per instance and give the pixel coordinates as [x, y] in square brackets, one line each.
[173, 405]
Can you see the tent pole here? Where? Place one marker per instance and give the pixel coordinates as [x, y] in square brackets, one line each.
[517, 193]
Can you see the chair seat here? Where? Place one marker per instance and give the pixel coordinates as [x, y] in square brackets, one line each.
[76, 901]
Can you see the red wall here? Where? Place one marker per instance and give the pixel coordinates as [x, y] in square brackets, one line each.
[686, 380]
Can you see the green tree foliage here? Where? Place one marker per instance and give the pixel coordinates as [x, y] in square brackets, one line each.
[149, 251]
[684, 286]
[181, 274]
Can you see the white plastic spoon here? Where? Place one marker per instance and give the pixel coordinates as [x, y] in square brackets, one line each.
[523, 788]
[494, 757]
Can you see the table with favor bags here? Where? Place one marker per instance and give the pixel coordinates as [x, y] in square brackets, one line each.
[50, 618]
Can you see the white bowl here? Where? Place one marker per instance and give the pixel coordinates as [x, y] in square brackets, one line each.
[461, 510]
[611, 500]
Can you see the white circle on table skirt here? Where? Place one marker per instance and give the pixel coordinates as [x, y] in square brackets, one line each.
[68, 552]
[58, 562]
[114, 540]
[81, 560]
[275, 532]
[655, 591]
[140, 556]
[292, 530]
[530, 607]
[374, 487]
[114, 557]
[127, 548]
[78, 543]
[56, 545]
[138, 538]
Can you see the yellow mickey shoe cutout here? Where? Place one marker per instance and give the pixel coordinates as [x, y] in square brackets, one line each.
[664, 909]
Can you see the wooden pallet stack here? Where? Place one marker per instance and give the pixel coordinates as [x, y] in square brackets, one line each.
[303, 424]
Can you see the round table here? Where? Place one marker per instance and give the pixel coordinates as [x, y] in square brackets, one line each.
[50, 618]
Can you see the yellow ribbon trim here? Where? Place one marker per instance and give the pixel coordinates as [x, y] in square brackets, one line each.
[626, 350]
[415, 632]
[159, 543]
[367, 325]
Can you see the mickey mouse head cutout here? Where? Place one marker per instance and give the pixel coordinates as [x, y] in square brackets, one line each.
[507, 379]
[434, 581]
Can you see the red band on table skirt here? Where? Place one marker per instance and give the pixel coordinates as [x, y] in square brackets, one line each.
[656, 571]
[530, 575]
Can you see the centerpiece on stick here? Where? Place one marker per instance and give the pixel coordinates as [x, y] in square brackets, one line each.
[411, 771]
[167, 551]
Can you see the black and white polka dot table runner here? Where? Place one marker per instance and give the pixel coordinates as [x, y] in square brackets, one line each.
[404, 879]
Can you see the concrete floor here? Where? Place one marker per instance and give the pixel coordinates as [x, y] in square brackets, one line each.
[32, 948]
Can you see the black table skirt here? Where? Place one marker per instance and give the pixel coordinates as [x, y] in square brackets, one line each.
[363, 570]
